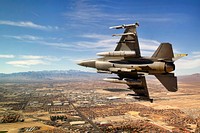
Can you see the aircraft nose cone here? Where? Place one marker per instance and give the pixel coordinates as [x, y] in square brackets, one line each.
[80, 63]
[88, 63]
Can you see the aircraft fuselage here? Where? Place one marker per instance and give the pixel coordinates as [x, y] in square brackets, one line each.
[143, 65]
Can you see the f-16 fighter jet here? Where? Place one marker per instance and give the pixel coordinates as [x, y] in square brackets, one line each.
[131, 68]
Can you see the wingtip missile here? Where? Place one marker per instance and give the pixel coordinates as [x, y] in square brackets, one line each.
[124, 26]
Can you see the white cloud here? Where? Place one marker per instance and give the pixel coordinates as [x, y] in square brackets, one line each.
[6, 56]
[188, 63]
[32, 60]
[87, 13]
[196, 53]
[146, 53]
[98, 45]
[95, 36]
[32, 57]
[53, 59]
[154, 17]
[147, 44]
[97, 42]
[26, 63]
[40, 40]
[27, 24]
[44, 58]
[24, 37]
[106, 42]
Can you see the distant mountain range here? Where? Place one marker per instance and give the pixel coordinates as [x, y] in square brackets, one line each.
[42, 76]
[69, 75]
[190, 78]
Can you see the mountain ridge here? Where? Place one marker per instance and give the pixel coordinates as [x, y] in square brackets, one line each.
[40, 76]
[64, 75]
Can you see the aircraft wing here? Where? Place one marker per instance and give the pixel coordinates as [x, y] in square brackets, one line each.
[141, 90]
[129, 39]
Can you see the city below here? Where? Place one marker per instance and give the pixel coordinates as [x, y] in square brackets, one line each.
[77, 102]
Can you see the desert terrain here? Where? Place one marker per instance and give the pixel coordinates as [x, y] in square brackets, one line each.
[78, 104]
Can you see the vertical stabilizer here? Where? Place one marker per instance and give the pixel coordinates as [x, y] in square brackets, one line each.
[164, 52]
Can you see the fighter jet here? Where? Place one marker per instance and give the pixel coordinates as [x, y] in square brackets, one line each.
[131, 68]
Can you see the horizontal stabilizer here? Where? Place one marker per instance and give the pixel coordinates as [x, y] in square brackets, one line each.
[169, 81]
[164, 52]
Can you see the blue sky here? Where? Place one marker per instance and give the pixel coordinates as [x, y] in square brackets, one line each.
[54, 35]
